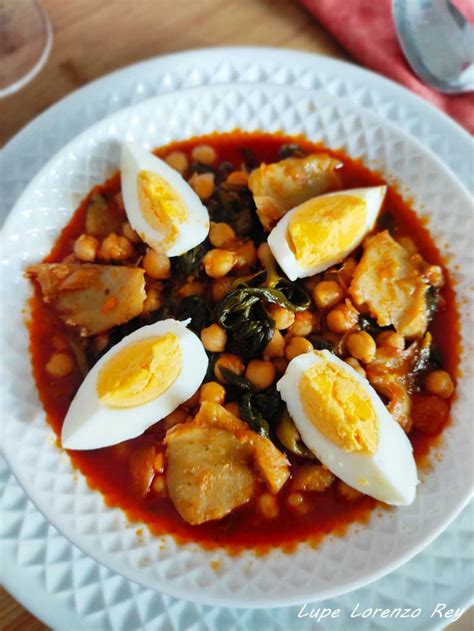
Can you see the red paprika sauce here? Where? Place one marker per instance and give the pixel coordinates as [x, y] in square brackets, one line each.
[108, 470]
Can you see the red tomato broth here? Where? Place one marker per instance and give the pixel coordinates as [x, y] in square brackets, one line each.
[108, 472]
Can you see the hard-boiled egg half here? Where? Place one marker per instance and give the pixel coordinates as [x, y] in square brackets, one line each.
[135, 384]
[322, 231]
[160, 205]
[342, 420]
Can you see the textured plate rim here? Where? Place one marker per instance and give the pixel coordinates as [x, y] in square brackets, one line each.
[386, 569]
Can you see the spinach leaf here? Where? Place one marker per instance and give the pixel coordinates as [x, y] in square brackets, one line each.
[235, 207]
[291, 150]
[235, 380]
[366, 323]
[251, 160]
[198, 310]
[293, 292]
[320, 344]
[436, 359]
[246, 321]
[258, 409]
[432, 301]
[251, 415]
[185, 264]
[298, 296]
[246, 296]
[243, 315]
[386, 221]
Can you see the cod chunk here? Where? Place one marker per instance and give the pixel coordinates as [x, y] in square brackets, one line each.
[389, 283]
[208, 472]
[93, 298]
[214, 463]
[279, 187]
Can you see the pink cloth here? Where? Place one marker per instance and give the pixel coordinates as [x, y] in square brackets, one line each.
[366, 30]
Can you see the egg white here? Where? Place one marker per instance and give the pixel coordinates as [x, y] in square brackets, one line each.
[389, 474]
[278, 237]
[191, 232]
[91, 424]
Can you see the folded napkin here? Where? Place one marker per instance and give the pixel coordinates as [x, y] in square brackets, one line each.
[366, 30]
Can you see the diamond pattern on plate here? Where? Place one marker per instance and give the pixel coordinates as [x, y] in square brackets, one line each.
[176, 72]
[66, 499]
[107, 601]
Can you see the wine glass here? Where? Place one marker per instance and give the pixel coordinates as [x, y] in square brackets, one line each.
[26, 38]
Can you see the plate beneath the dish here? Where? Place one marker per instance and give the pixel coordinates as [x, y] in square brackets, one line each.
[339, 564]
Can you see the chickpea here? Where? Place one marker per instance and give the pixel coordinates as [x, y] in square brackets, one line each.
[156, 265]
[221, 235]
[440, 383]
[429, 413]
[178, 161]
[347, 492]
[264, 253]
[192, 288]
[408, 244]
[391, 339]
[205, 154]
[174, 418]
[237, 178]
[303, 324]
[60, 343]
[193, 401]
[122, 450]
[246, 255]
[130, 233]
[434, 275]
[218, 263]
[354, 363]
[312, 477]
[101, 341]
[159, 484]
[85, 248]
[284, 318]
[417, 260]
[233, 408]
[310, 283]
[152, 301]
[203, 185]
[115, 248]
[275, 347]
[231, 362]
[268, 505]
[361, 345]
[118, 199]
[159, 462]
[220, 288]
[214, 338]
[297, 346]
[281, 364]
[212, 391]
[341, 319]
[327, 294]
[297, 502]
[261, 374]
[346, 272]
[59, 365]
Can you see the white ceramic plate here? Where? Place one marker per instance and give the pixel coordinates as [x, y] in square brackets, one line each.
[338, 565]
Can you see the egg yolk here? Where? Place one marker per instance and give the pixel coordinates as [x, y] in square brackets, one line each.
[161, 206]
[140, 372]
[340, 408]
[324, 227]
